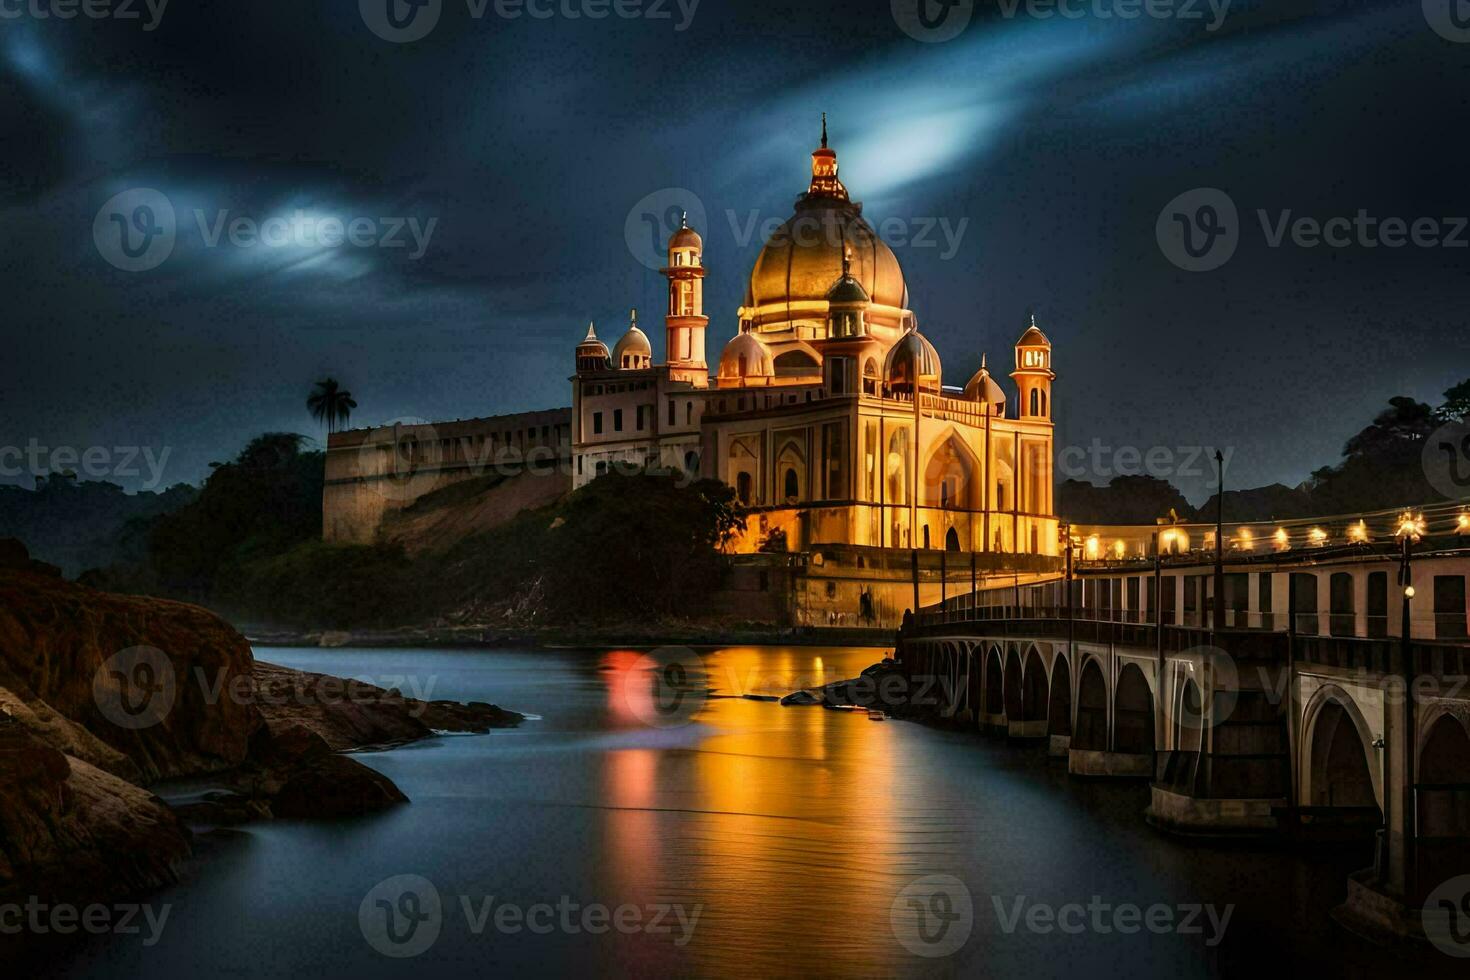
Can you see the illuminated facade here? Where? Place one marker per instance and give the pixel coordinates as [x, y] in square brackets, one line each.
[827, 412]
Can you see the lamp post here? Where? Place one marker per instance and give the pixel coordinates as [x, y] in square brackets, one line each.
[1220, 542]
[1410, 530]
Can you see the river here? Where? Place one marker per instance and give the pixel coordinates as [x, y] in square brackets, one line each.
[753, 840]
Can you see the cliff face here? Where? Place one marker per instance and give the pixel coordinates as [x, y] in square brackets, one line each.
[139, 687]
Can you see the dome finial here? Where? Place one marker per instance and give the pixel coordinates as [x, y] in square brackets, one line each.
[982, 362]
[846, 258]
[591, 332]
[1033, 318]
[683, 219]
[824, 130]
[633, 317]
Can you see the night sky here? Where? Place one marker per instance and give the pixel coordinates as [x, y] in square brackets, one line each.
[1049, 146]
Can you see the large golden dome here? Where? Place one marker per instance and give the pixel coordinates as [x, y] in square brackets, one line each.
[803, 258]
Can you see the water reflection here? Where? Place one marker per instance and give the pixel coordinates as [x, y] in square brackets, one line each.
[793, 829]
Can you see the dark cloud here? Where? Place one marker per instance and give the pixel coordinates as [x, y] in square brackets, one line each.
[1046, 148]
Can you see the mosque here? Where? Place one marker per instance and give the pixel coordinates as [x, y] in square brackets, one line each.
[828, 413]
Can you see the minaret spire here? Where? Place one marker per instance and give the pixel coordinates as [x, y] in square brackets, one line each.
[824, 130]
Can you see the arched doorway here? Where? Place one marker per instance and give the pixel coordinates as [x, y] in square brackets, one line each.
[1033, 688]
[1059, 700]
[994, 684]
[952, 540]
[1014, 710]
[1133, 727]
[1340, 773]
[1091, 733]
[1444, 762]
[950, 476]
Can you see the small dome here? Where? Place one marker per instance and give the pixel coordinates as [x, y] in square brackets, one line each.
[1033, 337]
[633, 350]
[912, 356]
[591, 352]
[686, 237]
[984, 389]
[746, 357]
[847, 290]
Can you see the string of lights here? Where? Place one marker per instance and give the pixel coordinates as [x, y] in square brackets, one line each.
[1448, 518]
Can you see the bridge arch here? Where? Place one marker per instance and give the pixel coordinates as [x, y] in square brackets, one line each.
[1444, 759]
[1340, 768]
[1133, 713]
[1059, 698]
[974, 689]
[1091, 731]
[1188, 724]
[1034, 687]
[994, 683]
[1014, 709]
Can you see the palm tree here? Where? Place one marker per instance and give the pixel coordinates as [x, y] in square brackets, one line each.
[331, 404]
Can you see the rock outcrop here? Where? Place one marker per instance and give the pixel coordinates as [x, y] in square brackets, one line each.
[102, 695]
[62, 645]
[349, 714]
[69, 831]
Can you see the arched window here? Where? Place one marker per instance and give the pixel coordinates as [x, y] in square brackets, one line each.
[792, 488]
[1035, 401]
[743, 488]
[1043, 403]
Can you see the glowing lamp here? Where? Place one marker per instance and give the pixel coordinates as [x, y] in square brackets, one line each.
[1411, 526]
[1462, 523]
[1408, 592]
[1247, 540]
[1358, 533]
[1281, 539]
[1118, 548]
[1094, 547]
[1318, 536]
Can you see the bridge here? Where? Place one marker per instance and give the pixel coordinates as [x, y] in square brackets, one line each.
[1314, 689]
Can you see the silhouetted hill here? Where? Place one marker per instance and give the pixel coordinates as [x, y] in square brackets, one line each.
[1126, 500]
[1276, 502]
[85, 525]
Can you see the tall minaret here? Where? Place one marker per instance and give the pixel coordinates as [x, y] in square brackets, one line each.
[686, 322]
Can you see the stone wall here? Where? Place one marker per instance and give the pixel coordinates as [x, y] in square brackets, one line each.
[372, 473]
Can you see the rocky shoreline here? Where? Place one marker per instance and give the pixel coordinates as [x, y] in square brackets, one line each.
[104, 697]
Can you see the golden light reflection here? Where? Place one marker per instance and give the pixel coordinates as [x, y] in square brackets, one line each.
[1358, 533]
[771, 816]
[1282, 541]
[1317, 536]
